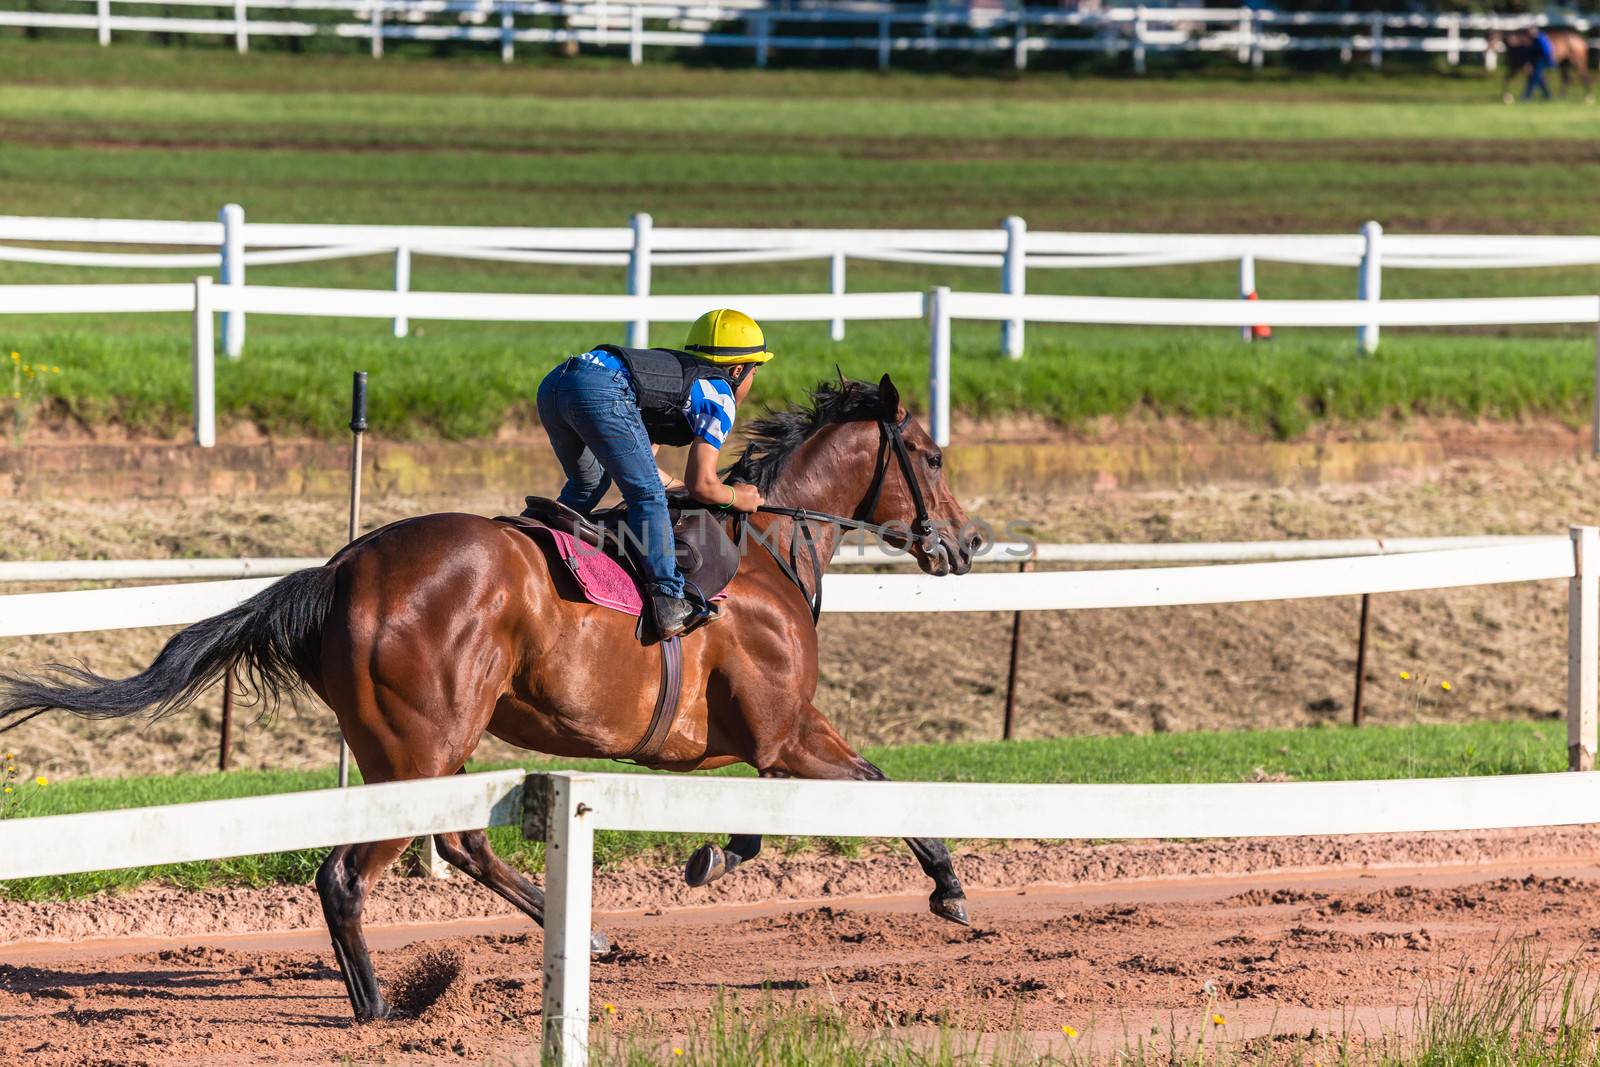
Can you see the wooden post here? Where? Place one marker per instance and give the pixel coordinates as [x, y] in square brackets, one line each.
[1011, 673]
[226, 746]
[1583, 648]
[1357, 709]
[569, 884]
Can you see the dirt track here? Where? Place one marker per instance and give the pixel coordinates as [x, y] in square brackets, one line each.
[1347, 940]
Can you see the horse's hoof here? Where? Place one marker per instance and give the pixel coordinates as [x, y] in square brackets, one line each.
[952, 908]
[378, 1012]
[599, 945]
[706, 865]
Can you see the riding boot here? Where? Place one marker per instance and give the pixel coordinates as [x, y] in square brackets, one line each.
[681, 615]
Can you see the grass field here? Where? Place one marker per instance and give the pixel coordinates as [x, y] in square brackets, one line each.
[1307, 755]
[174, 133]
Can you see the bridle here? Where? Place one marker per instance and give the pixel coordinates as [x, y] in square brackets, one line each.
[891, 439]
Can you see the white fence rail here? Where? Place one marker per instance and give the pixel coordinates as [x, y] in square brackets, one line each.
[879, 30]
[565, 810]
[640, 247]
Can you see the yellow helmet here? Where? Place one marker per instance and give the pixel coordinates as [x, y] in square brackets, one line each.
[726, 336]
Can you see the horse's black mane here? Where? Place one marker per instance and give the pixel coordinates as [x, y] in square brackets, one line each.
[773, 437]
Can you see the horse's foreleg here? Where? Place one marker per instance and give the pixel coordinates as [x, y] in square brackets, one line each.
[469, 852]
[814, 749]
[710, 862]
[343, 881]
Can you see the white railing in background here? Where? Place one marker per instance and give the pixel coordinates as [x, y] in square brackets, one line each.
[640, 247]
[852, 554]
[875, 29]
[1522, 560]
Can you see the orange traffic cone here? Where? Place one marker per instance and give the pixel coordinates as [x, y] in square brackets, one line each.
[1259, 332]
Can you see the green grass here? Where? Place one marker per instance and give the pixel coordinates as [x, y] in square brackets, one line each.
[1303, 755]
[136, 131]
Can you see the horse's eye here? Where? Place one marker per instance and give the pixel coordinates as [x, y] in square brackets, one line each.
[935, 460]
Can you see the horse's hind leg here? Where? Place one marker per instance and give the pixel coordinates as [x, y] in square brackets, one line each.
[470, 853]
[343, 881]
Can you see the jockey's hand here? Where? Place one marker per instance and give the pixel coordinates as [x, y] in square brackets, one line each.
[746, 497]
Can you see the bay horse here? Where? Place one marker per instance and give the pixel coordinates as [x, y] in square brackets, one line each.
[426, 633]
[1520, 49]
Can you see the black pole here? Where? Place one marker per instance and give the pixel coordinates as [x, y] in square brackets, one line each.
[227, 721]
[1357, 709]
[1011, 675]
[358, 426]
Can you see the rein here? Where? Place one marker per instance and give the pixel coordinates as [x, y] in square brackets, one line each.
[891, 436]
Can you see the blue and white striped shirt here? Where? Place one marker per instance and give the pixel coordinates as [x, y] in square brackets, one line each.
[710, 407]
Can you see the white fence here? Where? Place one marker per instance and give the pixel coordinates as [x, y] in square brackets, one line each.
[566, 810]
[640, 247]
[1520, 560]
[880, 30]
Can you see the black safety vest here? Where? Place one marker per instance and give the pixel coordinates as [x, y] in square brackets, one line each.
[662, 378]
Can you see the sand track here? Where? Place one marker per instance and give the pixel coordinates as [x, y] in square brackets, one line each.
[1294, 936]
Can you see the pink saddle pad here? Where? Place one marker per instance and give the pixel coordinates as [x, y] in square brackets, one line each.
[603, 580]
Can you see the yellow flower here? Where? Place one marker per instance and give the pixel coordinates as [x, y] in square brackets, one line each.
[41, 781]
[16, 357]
[55, 370]
[1405, 676]
[1445, 686]
[611, 1009]
[1217, 1020]
[1069, 1031]
[16, 396]
[9, 789]
[677, 1052]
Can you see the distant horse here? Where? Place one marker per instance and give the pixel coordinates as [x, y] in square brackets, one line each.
[1521, 49]
[427, 633]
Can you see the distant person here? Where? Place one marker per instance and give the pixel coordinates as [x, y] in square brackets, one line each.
[1542, 56]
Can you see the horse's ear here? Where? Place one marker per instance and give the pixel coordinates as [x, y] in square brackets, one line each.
[888, 398]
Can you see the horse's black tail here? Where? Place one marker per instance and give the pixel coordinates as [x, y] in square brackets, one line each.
[265, 641]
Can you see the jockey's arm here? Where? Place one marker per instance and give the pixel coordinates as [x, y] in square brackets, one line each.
[705, 485]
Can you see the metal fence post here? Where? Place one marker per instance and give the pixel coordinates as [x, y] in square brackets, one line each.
[203, 353]
[639, 277]
[836, 287]
[1371, 283]
[102, 14]
[938, 311]
[402, 284]
[569, 883]
[232, 273]
[241, 27]
[1583, 648]
[1247, 289]
[1014, 282]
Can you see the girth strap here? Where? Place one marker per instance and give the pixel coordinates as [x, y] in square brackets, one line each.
[667, 698]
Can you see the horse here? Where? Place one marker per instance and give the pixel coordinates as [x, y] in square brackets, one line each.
[1521, 49]
[426, 633]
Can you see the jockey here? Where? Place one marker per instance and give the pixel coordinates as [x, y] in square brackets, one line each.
[608, 411]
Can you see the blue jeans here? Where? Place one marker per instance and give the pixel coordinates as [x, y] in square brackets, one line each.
[1536, 80]
[592, 418]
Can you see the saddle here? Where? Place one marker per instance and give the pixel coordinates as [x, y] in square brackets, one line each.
[601, 563]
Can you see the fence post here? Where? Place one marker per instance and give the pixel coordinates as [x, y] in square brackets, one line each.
[1583, 647]
[1452, 51]
[1371, 283]
[377, 31]
[402, 284]
[203, 352]
[1242, 53]
[1014, 282]
[1594, 417]
[763, 30]
[639, 277]
[1377, 42]
[938, 312]
[1138, 40]
[836, 287]
[1257, 49]
[102, 12]
[883, 42]
[508, 27]
[636, 35]
[1019, 43]
[569, 883]
[1247, 290]
[232, 273]
[241, 27]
